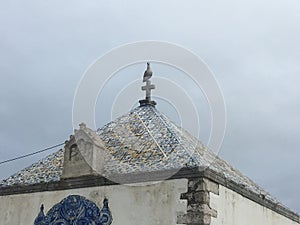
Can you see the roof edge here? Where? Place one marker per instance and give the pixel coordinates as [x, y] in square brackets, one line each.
[240, 189]
[187, 173]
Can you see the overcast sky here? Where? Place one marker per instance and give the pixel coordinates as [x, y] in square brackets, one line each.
[251, 46]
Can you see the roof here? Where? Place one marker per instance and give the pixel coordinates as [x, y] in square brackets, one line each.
[143, 140]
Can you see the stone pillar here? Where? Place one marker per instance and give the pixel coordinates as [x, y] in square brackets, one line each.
[199, 211]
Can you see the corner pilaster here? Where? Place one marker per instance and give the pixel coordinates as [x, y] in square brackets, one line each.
[199, 211]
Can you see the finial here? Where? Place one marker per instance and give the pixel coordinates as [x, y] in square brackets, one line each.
[105, 214]
[105, 202]
[41, 216]
[148, 87]
[42, 208]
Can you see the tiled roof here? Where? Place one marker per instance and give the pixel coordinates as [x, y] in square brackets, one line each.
[143, 140]
[45, 170]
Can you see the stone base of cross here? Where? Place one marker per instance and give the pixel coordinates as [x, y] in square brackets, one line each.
[147, 102]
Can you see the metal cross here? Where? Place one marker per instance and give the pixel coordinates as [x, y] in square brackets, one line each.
[148, 87]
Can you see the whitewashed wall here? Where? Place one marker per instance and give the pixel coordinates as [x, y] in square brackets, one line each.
[234, 209]
[156, 204]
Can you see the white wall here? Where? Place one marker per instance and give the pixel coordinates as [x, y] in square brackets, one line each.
[234, 209]
[133, 205]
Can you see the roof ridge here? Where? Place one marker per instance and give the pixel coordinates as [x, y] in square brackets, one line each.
[167, 121]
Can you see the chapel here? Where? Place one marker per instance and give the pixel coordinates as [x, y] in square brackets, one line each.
[139, 169]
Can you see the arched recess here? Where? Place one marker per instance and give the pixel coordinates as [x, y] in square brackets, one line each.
[75, 210]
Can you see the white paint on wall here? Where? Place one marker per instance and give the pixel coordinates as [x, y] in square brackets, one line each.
[234, 209]
[152, 204]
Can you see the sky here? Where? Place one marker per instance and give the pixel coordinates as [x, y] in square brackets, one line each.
[252, 47]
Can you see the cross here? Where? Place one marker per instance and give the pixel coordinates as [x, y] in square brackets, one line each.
[148, 87]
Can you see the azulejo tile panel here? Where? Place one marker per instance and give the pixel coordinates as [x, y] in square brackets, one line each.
[75, 210]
